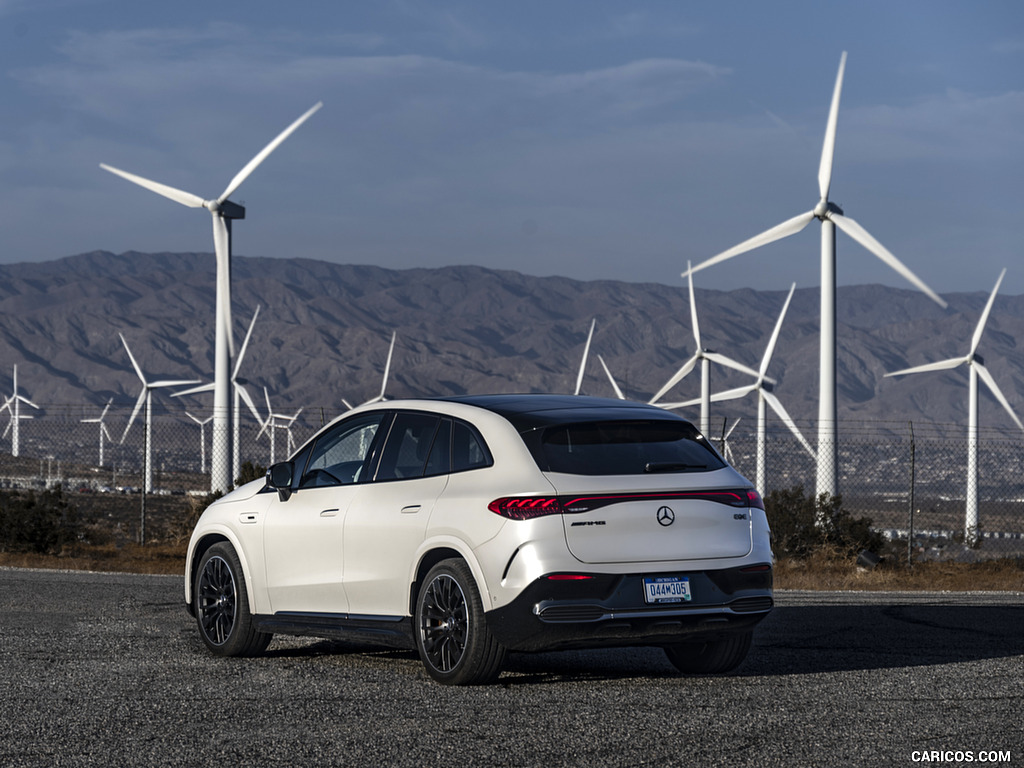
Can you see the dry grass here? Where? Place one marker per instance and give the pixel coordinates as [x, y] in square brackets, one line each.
[827, 572]
[821, 572]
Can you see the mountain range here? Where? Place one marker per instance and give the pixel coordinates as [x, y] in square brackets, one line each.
[323, 333]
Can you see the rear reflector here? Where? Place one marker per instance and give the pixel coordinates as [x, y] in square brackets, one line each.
[568, 577]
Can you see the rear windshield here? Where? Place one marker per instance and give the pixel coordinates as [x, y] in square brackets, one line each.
[623, 448]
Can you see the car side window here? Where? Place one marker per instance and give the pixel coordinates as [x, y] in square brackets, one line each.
[468, 449]
[339, 456]
[408, 446]
[439, 462]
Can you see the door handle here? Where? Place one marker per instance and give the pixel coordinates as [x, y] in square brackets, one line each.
[411, 509]
[329, 513]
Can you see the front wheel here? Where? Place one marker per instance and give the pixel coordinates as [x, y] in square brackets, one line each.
[713, 657]
[451, 632]
[222, 605]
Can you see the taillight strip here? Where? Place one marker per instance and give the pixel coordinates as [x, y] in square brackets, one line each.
[529, 507]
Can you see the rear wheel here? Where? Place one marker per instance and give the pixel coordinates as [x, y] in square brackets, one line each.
[712, 657]
[222, 605]
[451, 632]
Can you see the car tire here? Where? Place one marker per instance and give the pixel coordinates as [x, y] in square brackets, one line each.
[222, 605]
[452, 637]
[713, 657]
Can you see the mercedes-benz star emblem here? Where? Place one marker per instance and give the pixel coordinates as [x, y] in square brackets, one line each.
[666, 516]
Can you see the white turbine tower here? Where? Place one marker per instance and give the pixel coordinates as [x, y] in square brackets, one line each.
[146, 396]
[12, 405]
[763, 387]
[831, 216]
[586, 353]
[976, 368]
[202, 438]
[223, 212]
[104, 432]
[705, 356]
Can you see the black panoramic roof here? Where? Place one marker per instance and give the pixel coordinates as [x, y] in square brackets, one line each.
[530, 411]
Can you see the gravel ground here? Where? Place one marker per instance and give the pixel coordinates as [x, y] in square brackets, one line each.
[107, 669]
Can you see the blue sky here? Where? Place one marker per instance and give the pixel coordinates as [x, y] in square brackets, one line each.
[581, 138]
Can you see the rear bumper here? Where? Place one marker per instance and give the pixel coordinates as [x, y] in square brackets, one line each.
[608, 610]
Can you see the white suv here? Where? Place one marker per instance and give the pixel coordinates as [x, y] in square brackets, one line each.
[466, 527]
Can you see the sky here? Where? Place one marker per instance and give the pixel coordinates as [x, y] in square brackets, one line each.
[583, 138]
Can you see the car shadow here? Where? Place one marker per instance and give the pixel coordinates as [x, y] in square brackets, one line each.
[792, 640]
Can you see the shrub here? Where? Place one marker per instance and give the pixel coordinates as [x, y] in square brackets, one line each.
[43, 523]
[803, 525]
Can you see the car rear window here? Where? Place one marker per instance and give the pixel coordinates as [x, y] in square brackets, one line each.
[624, 448]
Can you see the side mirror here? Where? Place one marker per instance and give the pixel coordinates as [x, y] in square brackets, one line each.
[279, 477]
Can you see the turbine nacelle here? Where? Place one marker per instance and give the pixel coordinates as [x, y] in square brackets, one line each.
[225, 209]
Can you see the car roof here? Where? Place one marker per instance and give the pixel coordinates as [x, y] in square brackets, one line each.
[530, 411]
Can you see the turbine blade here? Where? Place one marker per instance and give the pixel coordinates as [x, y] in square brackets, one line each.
[829, 147]
[247, 399]
[243, 174]
[862, 236]
[728, 434]
[26, 401]
[942, 365]
[177, 195]
[779, 231]
[245, 343]
[173, 383]
[732, 394]
[194, 390]
[346, 403]
[135, 412]
[679, 375]
[387, 366]
[103, 428]
[222, 246]
[976, 339]
[106, 408]
[618, 392]
[776, 406]
[717, 357]
[693, 307]
[135, 365]
[586, 352]
[770, 349]
[994, 389]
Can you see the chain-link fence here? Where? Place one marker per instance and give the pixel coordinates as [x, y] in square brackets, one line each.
[911, 479]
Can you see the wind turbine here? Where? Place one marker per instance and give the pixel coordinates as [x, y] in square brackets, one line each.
[273, 425]
[12, 405]
[104, 432]
[146, 396]
[831, 216]
[726, 447]
[223, 211]
[240, 393]
[202, 438]
[384, 382]
[763, 386]
[586, 352]
[976, 368]
[705, 356]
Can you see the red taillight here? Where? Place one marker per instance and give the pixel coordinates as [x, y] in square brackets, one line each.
[754, 499]
[526, 507]
[756, 568]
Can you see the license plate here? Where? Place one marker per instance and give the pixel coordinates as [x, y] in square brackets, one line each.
[667, 589]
